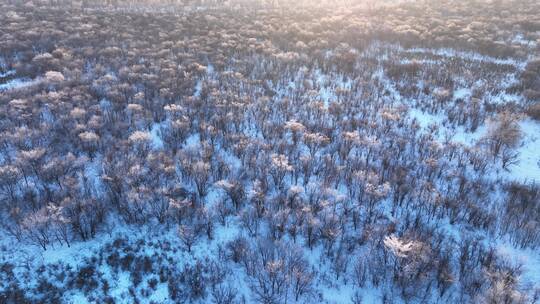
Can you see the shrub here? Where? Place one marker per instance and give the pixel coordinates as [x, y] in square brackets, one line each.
[534, 111]
[84, 276]
[152, 283]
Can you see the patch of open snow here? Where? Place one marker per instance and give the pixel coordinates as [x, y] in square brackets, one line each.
[18, 83]
[47, 115]
[7, 73]
[78, 298]
[529, 258]
[453, 231]
[104, 104]
[328, 84]
[123, 282]
[210, 69]
[212, 197]
[93, 171]
[387, 84]
[528, 167]
[469, 138]
[193, 141]
[471, 56]
[224, 234]
[155, 133]
[425, 119]
[337, 292]
[198, 88]
[462, 93]
[520, 39]
[504, 98]
[161, 295]
[418, 61]
[371, 295]
[71, 255]
[341, 295]
[324, 92]
[234, 162]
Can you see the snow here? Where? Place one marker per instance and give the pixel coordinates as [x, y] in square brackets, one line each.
[104, 104]
[520, 40]
[18, 83]
[193, 141]
[78, 299]
[419, 61]
[234, 162]
[155, 133]
[161, 295]
[371, 295]
[528, 167]
[528, 258]
[327, 84]
[79, 254]
[213, 196]
[74, 254]
[425, 119]
[339, 291]
[210, 69]
[471, 56]
[7, 73]
[198, 88]
[93, 171]
[462, 93]
[468, 138]
[226, 233]
[121, 289]
[504, 98]
[387, 84]
[345, 294]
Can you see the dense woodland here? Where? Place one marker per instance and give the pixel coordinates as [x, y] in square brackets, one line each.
[269, 152]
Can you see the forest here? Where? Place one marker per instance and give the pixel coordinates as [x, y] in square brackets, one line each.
[231, 152]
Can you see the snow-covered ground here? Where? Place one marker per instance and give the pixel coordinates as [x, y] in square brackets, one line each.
[526, 170]
[155, 133]
[8, 73]
[18, 83]
[471, 56]
[528, 167]
[120, 282]
[529, 259]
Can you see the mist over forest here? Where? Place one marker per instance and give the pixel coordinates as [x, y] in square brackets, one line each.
[230, 152]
